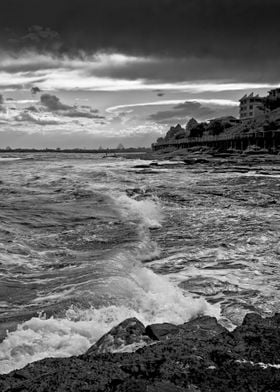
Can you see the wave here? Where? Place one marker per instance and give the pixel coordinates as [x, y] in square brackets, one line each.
[149, 297]
[134, 290]
[146, 211]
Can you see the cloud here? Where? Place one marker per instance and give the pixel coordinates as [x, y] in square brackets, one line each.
[115, 72]
[2, 108]
[177, 26]
[212, 101]
[40, 120]
[202, 39]
[74, 112]
[183, 111]
[37, 37]
[52, 103]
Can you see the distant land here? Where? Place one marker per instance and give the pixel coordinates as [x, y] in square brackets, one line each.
[257, 129]
[77, 150]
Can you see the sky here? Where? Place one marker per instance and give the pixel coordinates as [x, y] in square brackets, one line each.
[90, 73]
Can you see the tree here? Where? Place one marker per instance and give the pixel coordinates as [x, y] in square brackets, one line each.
[216, 127]
[198, 130]
[272, 104]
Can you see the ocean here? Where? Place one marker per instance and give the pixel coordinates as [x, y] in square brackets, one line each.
[86, 242]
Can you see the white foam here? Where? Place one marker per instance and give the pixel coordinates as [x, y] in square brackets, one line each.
[260, 364]
[6, 159]
[141, 293]
[147, 211]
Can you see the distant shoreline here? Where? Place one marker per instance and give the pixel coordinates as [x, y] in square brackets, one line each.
[76, 150]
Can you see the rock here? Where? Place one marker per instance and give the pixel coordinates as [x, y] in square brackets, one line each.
[130, 332]
[198, 356]
[161, 331]
[204, 328]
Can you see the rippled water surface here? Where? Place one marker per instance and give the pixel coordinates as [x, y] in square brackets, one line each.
[86, 242]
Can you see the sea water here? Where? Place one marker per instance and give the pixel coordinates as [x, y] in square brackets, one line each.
[86, 242]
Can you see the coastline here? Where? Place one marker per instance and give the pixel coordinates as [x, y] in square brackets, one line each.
[196, 356]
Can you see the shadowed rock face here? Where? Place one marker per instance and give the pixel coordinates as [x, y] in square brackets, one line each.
[201, 328]
[198, 356]
[129, 334]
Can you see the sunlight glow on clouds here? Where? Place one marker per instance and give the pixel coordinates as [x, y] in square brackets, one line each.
[93, 73]
[106, 73]
[219, 102]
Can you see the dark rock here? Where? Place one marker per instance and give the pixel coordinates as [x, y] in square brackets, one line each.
[161, 331]
[131, 331]
[198, 356]
[141, 166]
[201, 328]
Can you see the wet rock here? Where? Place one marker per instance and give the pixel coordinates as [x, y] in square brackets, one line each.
[204, 327]
[128, 335]
[161, 331]
[198, 356]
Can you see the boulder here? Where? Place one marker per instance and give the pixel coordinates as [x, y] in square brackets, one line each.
[127, 336]
[161, 331]
[203, 328]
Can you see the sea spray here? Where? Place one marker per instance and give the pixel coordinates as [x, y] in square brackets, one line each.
[145, 212]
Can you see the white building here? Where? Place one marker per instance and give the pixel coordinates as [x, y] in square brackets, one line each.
[251, 106]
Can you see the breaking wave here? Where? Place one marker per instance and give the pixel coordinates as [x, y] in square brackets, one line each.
[136, 291]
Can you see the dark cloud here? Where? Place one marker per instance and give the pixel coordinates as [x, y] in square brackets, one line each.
[179, 27]
[184, 111]
[53, 104]
[204, 39]
[1, 99]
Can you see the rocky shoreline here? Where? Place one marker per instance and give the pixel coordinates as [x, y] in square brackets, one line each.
[197, 356]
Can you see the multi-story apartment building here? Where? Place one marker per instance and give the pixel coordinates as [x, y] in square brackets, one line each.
[251, 106]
